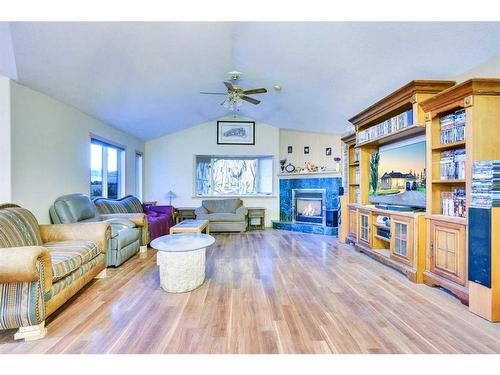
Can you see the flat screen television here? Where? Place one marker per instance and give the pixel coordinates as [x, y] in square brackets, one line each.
[398, 175]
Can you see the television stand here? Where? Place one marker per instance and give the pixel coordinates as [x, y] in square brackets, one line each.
[400, 245]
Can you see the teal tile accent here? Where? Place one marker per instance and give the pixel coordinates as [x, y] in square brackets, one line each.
[330, 184]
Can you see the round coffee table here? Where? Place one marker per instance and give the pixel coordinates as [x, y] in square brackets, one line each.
[181, 258]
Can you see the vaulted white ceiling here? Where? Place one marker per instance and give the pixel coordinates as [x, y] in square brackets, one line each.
[145, 78]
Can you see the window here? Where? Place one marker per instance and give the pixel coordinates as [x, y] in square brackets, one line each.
[223, 175]
[138, 175]
[106, 166]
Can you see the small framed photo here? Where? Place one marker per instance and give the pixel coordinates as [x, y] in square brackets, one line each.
[290, 149]
[306, 150]
[235, 132]
[328, 151]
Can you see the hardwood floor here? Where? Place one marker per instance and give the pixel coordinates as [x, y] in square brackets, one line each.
[266, 292]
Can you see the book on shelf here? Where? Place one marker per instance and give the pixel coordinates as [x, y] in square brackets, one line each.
[391, 125]
[485, 190]
[452, 127]
[453, 203]
[452, 164]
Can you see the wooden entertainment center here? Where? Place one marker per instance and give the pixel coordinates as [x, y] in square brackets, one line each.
[405, 249]
[429, 245]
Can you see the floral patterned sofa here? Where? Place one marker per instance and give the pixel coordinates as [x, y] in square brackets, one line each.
[159, 218]
[43, 266]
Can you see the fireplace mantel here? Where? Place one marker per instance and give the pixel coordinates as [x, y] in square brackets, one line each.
[323, 174]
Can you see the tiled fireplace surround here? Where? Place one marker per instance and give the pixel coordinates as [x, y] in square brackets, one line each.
[330, 184]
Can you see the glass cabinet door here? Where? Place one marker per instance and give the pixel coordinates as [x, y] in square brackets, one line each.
[364, 228]
[401, 239]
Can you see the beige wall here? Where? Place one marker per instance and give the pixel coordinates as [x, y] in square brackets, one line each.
[317, 143]
[5, 171]
[170, 163]
[51, 150]
[5, 174]
[488, 69]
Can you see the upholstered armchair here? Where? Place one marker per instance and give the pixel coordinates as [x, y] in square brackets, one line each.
[224, 215]
[157, 219]
[43, 266]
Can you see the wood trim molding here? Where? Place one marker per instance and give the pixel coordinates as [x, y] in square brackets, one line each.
[398, 98]
[349, 138]
[474, 86]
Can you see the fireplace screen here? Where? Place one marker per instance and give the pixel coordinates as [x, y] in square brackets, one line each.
[309, 206]
[306, 207]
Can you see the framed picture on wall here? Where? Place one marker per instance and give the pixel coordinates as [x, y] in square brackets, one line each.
[328, 151]
[290, 149]
[306, 150]
[235, 132]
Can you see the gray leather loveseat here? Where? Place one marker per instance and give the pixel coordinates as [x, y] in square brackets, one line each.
[224, 215]
[78, 208]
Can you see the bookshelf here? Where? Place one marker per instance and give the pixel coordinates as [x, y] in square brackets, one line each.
[474, 104]
[455, 244]
[354, 170]
[351, 184]
[396, 117]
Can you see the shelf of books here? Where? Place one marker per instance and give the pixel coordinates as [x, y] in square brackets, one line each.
[386, 131]
[397, 116]
[462, 129]
[448, 157]
[354, 175]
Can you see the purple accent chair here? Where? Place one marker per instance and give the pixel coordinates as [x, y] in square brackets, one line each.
[159, 218]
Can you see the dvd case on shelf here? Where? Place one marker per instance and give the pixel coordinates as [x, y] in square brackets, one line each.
[357, 153]
[357, 195]
[452, 127]
[453, 203]
[485, 191]
[453, 164]
[389, 126]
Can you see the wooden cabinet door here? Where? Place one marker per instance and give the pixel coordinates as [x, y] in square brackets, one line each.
[364, 231]
[402, 248]
[353, 222]
[447, 250]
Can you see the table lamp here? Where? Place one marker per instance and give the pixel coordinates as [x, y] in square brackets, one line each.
[170, 196]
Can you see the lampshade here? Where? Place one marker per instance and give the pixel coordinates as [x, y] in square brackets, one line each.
[171, 194]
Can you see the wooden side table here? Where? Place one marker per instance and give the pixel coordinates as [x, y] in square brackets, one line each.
[256, 218]
[184, 213]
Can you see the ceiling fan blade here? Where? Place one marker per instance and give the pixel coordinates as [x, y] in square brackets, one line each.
[213, 93]
[250, 100]
[255, 91]
[229, 86]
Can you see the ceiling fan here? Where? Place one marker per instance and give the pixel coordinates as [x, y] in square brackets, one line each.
[236, 95]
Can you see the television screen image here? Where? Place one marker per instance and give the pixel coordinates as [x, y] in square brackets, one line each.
[398, 175]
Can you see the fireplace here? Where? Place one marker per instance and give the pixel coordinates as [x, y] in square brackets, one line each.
[309, 206]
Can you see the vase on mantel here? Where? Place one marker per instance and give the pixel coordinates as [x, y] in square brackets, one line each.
[336, 164]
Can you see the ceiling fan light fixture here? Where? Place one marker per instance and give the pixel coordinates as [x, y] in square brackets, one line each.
[236, 95]
[234, 74]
